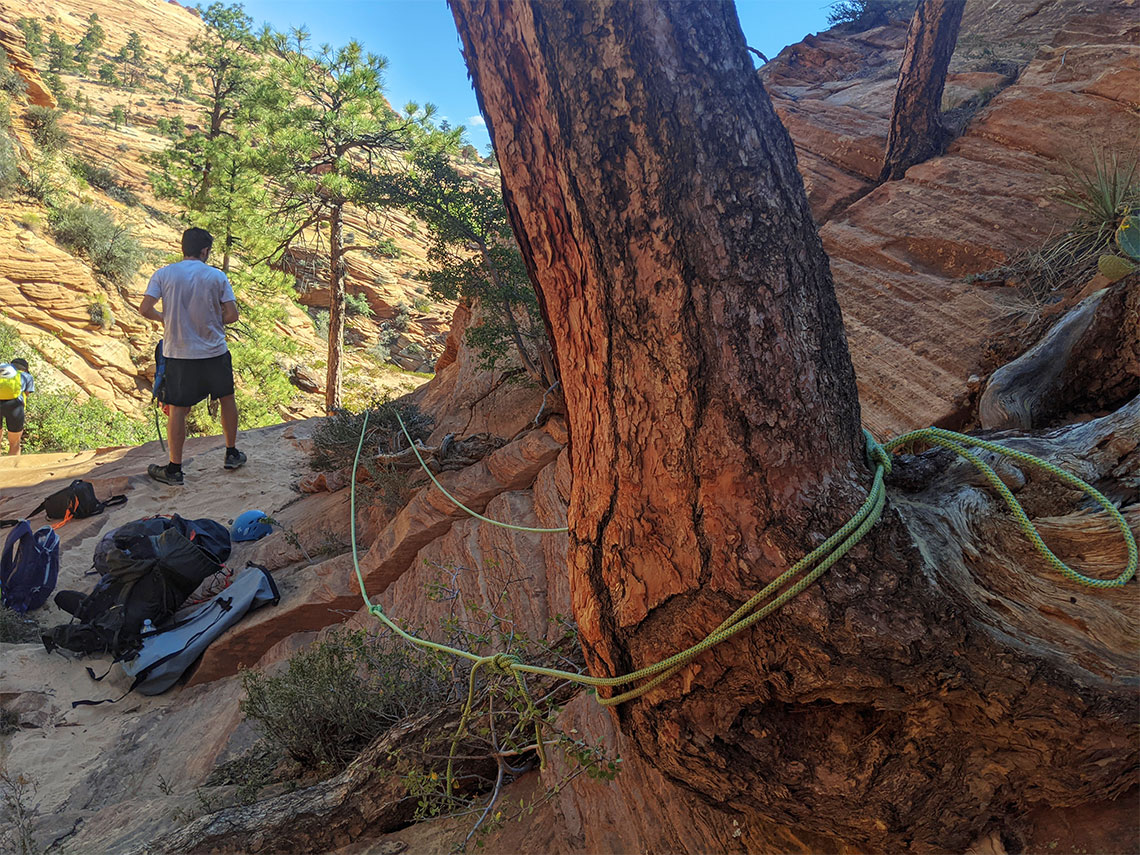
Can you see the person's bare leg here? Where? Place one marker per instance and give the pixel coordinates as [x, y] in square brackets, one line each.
[176, 432]
[229, 420]
[14, 437]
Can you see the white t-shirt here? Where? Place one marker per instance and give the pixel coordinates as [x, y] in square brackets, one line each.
[192, 293]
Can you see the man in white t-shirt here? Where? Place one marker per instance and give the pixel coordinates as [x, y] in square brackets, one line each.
[197, 304]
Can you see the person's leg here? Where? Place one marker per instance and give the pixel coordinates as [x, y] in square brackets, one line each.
[229, 420]
[176, 432]
[12, 414]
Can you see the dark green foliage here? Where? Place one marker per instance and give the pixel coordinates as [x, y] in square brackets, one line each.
[61, 55]
[107, 74]
[110, 246]
[476, 258]
[859, 15]
[104, 179]
[43, 125]
[60, 421]
[10, 178]
[33, 35]
[402, 317]
[340, 694]
[118, 116]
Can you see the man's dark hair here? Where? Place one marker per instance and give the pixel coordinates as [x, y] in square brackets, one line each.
[20, 363]
[195, 240]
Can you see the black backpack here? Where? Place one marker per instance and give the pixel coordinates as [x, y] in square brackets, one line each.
[145, 576]
[75, 501]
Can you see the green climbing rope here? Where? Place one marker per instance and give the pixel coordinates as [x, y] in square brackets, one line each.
[456, 501]
[777, 592]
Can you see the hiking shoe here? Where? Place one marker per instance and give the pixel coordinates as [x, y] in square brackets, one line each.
[233, 461]
[160, 473]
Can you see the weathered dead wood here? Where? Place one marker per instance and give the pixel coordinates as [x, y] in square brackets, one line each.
[1088, 361]
[449, 455]
[370, 795]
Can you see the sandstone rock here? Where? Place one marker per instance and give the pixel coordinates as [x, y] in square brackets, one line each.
[12, 41]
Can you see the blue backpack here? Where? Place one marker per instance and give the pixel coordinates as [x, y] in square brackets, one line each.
[29, 566]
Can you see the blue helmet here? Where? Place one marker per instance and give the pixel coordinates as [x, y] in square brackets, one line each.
[250, 525]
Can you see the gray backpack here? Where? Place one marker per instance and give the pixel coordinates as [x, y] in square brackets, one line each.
[167, 653]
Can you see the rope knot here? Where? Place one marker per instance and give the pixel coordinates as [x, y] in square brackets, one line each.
[501, 663]
[876, 454]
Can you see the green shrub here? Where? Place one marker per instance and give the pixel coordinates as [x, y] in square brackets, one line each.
[357, 304]
[59, 421]
[43, 125]
[10, 178]
[109, 245]
[320, 322]
[10, 81]
[335, 439]
[340, 694]
[402, 317]
[104, 179]
[100, 313]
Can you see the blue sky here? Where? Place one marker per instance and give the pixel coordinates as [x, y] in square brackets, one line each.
[424, 62]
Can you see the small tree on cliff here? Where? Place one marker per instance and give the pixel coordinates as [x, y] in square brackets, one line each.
[916, 133]
[211, 172]
[326, 122]
[715, 439]
[61, 55]
[476, 257]
[33, 35]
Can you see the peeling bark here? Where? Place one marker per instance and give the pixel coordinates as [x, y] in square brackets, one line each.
[916, 133]
[333, 375]
[715, 439]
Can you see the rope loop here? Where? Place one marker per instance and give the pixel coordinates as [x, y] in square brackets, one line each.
[876, 454]
[774, 595]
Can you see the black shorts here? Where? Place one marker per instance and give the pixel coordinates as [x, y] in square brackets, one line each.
[12, 415]
[189, 381]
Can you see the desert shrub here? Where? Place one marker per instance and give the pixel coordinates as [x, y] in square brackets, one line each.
[9, 167]
[43, 125]
[59, 421]
[100, 313]
[1102, 196]
[335, 439]
[357, 304]
[16, 628]
[861, 15]
[340, 694]
[320, 322]
[387, 247]
[10, 81]
[109, 245]
[402, 317]
[103, 179]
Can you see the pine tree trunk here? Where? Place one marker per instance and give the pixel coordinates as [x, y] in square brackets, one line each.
[916, 132]
[336, 310]
[715, 439]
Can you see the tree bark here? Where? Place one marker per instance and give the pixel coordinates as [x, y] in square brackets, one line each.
[715, 440]
[333, 385]
[916, 132]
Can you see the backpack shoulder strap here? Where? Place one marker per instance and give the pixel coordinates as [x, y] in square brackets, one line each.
[114, 501]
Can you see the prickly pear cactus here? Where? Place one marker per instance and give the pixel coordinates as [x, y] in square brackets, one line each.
[1113, 267]
[1128, 236]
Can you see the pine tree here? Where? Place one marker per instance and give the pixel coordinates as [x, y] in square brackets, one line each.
[33, 35]
[327, 120]
[61, 55]
[476, 257]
